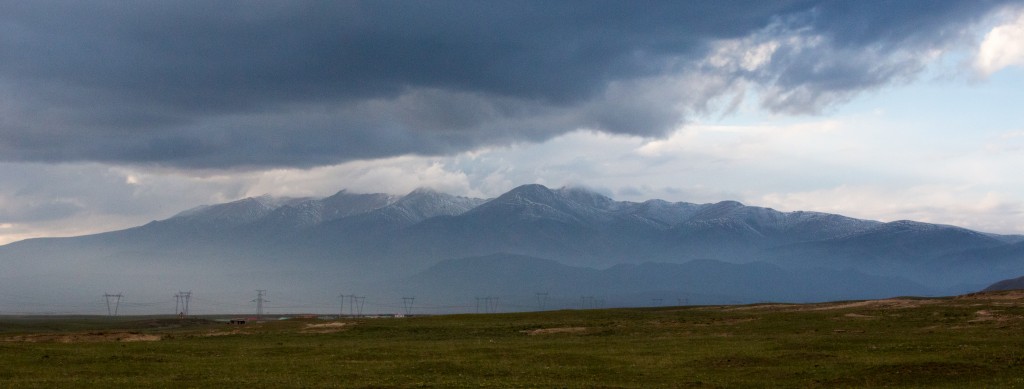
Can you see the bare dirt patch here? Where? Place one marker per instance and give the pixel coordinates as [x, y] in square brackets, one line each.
[858, 316]
[223, 333]
[324, 328]
[558, 330]
[767, 307]
[86, 337]
[993, 315]
[893, 303]
[1000, 295]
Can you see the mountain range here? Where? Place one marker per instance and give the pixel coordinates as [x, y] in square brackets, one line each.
[567, 244]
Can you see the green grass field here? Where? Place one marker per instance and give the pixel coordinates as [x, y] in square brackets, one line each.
[972, 341]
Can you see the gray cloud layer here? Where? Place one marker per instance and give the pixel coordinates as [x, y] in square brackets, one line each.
[257, 84]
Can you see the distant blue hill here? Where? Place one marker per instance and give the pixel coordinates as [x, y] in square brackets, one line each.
[571, 240]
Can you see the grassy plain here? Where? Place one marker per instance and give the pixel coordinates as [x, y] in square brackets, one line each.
[970, 341]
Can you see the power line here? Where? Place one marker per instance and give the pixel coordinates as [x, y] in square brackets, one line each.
[259, 303]
[542, 300]
[356, 305]
[407, 304]
[341, 305]
[490, 304]
[117, 302]
[181, 300]
[587, 302]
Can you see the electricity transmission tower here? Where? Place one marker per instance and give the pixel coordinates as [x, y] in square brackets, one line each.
[407, 304]
[181, 300]
[490, 304]
[117, 302]
[587, 302]
[341, 306]
[657, 301]
[355, 305]
[259, 302]
[542, 300]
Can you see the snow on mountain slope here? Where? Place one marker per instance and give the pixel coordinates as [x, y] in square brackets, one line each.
[660, 212]
[418, 205]
[423, 203]
[230, 214]
[308, 213]
[906, 237]
[537, 202]
[369, 237]
[344, 204]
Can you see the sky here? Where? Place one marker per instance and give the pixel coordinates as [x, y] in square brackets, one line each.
[113, 114]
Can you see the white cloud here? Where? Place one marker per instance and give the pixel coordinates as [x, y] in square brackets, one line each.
[1002, 47]
[742, 141]
[983, 211]
[397, 175]
[38, 200]
[870, 165]
[755, 52]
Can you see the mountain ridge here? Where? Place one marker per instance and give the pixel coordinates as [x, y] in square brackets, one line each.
[366, 239]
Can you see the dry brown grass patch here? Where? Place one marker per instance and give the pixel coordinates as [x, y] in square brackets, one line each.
[86, 337]
[559, 330]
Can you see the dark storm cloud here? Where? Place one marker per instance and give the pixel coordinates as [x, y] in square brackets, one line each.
[247, 84]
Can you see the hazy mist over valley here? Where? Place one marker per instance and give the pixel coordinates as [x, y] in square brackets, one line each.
[531, 248]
